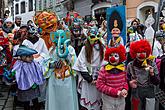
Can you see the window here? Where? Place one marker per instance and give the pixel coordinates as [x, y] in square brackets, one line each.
[23, 7]
[30, 5]
[16, 9]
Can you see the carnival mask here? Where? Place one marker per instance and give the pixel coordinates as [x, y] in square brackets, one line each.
[115, 32]
[61, 38]
[46, 21]
[93, 36]
[114, 58]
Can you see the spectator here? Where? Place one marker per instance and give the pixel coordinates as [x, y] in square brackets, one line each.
[17, 22]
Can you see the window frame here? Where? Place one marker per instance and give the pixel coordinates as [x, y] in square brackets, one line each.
[23, 7]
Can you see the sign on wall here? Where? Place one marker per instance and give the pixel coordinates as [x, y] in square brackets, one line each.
[116, 18]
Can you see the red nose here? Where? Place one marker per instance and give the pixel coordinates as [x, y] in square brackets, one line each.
[142, 56]
[112, 60]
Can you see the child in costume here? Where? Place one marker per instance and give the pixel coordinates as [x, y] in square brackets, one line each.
[142, 76]
[29, 76]
[61, 90]
[112, 79]
[87, 65]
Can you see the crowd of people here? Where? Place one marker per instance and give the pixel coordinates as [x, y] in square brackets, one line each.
[70, 64]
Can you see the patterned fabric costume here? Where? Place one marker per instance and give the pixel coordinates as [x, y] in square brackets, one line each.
[61, 91]
[112, 79]
[140, 76]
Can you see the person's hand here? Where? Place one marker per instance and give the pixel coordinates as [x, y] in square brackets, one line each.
[94, 82]
[133, 83]
[36, 55]
[151, 70]
[124, 93]
[119, 93]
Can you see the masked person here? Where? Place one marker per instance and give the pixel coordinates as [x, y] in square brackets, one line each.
[115, 27]
[35, 42]
[112, 79]
[61, 89]
[142, 76]
[87, 65]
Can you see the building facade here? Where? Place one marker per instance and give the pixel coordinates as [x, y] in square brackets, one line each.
[85, 8]
[141, 9]
[24, 9]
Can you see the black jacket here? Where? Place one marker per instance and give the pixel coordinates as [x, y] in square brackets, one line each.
[162, 73]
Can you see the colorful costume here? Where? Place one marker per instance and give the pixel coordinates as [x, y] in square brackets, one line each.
[61, 91]
[112, 81]
[88, 71]
[28, 75]
[5, 54]
[116, 19]
[48, 23]
[142, 75]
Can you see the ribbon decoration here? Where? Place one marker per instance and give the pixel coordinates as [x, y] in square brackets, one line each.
[151, 57]
[110, 67]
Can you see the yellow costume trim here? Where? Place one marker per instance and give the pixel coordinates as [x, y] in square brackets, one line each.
[149, 58]
[120, 67]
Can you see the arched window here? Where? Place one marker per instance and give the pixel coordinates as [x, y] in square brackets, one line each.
[30, 5]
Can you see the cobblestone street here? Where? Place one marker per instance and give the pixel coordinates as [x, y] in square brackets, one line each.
[6, 102]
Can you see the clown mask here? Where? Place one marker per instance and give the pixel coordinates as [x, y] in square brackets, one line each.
[115, 32]
[114, 58]
[141, 56]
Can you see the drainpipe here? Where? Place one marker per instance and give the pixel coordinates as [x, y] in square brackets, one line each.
[161, 4]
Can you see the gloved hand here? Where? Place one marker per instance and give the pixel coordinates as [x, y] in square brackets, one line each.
[87, 77]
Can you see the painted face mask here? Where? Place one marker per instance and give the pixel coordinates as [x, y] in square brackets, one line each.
[46, 21]
[61, 38]
[114, 58]
[93, 36]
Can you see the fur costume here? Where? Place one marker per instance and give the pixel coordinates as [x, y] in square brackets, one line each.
[112, 81]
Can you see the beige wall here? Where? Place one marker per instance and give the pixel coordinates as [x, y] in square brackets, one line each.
[132, 7]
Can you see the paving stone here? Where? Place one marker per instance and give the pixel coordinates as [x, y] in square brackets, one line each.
[9, 104]
[1, 107]
[10, 108]
[5, 95]
[2, 102]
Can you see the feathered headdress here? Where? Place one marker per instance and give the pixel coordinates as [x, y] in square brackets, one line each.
[119, 50]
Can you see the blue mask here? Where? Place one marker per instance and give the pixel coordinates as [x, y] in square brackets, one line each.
[60, 37]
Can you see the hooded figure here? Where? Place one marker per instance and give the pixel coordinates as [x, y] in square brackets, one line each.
[8, 26]
[142, 76]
